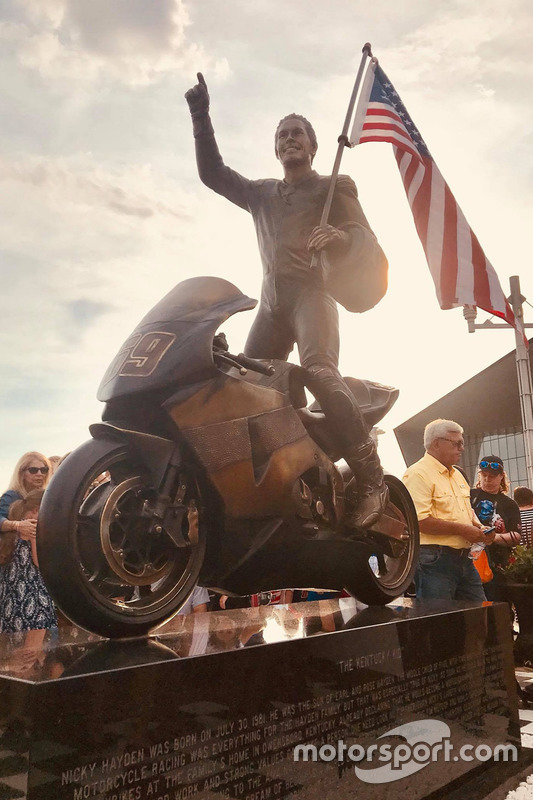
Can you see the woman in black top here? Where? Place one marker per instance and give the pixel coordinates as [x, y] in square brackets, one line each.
[494, 507]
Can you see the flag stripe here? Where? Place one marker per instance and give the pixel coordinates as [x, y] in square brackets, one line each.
[387, 137]
[420, 208]
[435, 231]
[386, 126]
[458, 265]
[361, 110]
[481, 279]
[414, 178]
[450, 257]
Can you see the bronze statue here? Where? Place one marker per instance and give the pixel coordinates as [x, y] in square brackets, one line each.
[217, 474]
[296, 306]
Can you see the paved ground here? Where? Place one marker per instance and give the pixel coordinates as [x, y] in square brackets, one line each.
[520, 786]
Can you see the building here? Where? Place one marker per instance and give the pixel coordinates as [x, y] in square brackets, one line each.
[488, 408]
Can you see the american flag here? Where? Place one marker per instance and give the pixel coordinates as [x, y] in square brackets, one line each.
[461, 272]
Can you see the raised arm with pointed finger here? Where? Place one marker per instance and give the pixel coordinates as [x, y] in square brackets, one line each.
[211, 168]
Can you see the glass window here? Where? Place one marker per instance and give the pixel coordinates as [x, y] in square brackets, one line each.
[470, 458]
[511, 469]
[502, 448]
[511, 446]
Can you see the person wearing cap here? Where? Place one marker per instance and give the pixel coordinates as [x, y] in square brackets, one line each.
[495, 508]
[448, 525]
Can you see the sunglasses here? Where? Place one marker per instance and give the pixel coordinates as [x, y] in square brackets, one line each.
[35, 470]
[491, 465]
[458, 444]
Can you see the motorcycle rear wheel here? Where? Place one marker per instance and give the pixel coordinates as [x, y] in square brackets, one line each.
[384, 577]
[106, 566]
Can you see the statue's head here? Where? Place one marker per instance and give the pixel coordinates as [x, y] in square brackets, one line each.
[297, 132]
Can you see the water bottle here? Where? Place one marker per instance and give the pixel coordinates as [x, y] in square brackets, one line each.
[476, 550]
[478, 547]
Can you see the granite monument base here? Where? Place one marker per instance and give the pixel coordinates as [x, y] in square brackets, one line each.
[213, 705]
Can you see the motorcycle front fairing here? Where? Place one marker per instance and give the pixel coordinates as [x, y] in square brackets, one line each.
[173, 344]
[170, 349]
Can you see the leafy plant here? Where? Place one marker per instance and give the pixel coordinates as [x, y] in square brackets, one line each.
[520, 566]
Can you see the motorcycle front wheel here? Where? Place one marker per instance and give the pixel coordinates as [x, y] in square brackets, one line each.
[389, 571]
[107, 563]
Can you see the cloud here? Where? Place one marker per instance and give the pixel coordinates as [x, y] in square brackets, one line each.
[82, 244]
[80, 181]
[133, 42]
[84, 312]
[127, 27]
[468, 40]
[26, 391]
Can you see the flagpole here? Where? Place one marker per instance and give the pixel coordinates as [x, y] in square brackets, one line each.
[343, 142]
[523, 369]
[523, 365]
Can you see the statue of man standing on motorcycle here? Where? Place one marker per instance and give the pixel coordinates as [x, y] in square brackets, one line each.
[296, 306]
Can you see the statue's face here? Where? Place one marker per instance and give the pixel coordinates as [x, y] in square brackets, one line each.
[293, 145]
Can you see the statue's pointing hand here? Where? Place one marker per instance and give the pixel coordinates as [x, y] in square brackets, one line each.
[325, 236]
[198, 97]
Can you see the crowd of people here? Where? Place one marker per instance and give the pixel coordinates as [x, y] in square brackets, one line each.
[466, 534]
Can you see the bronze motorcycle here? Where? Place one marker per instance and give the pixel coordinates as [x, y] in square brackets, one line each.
[210, 468]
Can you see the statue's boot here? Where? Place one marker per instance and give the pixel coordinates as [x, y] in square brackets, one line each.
[368, 488]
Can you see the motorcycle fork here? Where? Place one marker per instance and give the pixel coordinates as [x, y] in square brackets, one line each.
[169, 509]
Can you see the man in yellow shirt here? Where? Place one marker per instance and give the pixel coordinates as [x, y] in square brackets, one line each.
[448, 525]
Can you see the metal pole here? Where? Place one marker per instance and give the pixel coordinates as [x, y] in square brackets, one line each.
[343, 142]
[523, 369]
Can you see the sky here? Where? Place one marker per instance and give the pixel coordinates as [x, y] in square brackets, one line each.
[102, 211]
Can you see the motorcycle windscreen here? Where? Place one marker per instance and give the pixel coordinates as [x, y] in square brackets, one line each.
[173, 343]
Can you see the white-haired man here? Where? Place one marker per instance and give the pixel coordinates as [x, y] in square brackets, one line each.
[448, 525]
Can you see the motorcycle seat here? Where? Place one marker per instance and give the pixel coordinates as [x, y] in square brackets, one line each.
[317, 427]
[374, 399]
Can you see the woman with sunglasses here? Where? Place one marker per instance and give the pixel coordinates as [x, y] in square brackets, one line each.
[25, 604]
[31, 472]
[494, 507]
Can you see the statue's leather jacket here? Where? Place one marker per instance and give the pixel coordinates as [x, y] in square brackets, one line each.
[284, 214]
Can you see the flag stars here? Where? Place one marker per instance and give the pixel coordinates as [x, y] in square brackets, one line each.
[385, 93]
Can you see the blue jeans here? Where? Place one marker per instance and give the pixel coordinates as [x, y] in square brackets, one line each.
[444, 573]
